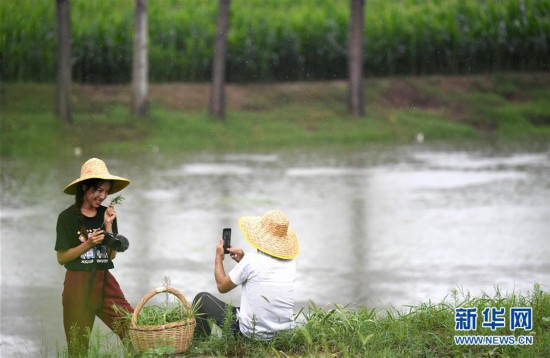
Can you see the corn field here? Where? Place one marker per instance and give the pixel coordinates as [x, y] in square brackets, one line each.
[277, 40]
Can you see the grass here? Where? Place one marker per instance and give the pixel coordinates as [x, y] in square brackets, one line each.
[277, 115]
[425, 330]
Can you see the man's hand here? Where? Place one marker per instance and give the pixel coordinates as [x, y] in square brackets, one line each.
[236, 254]
[223, 282]
[219, 251]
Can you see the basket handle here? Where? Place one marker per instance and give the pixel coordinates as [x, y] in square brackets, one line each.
[155, 292]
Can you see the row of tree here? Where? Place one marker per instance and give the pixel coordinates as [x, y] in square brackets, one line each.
[217, 103]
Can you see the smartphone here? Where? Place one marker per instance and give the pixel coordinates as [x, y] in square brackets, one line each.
[226, 235]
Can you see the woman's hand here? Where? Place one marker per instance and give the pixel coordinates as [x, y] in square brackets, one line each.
[95, 237]
[236, 254]
[110, 214]
[109, 217]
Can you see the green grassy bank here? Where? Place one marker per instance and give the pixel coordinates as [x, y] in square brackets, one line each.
[276, 116]
[425, 330]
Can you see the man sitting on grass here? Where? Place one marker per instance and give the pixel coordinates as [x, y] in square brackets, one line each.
[267, 278]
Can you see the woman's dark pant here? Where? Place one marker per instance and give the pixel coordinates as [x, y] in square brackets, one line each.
[82, 302]
[209, 307]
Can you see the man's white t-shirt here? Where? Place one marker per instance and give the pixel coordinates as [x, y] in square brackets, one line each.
[267, 301]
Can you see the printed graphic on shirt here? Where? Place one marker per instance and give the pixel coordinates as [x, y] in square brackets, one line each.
[98, 254]
[84, 236]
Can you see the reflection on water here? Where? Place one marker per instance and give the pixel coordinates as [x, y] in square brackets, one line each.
[381, 227]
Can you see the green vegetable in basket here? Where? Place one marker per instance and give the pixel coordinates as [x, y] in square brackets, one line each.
[154, 315]
[157, 315]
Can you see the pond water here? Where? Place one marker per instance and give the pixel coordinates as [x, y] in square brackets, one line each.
[381, 227]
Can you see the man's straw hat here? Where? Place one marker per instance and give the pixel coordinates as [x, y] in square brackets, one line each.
[271, 234]
[96, 169]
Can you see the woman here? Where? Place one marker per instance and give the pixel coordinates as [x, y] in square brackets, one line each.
[90, 289]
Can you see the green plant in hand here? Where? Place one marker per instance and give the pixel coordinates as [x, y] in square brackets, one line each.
[117, 200]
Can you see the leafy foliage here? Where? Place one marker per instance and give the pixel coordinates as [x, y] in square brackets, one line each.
[278, 40]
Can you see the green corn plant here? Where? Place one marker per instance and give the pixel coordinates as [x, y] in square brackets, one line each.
[274, 40]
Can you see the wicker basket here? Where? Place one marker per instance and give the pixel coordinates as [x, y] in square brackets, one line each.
[176, 334]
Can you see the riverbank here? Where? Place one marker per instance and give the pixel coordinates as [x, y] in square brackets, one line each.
[427, 330]
[277, 115]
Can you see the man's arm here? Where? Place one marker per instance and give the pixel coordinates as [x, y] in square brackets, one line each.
[223, 281]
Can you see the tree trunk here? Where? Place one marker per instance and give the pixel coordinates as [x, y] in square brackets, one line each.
[216, 104]
[64, 65]
[140, 104]
[356, 101]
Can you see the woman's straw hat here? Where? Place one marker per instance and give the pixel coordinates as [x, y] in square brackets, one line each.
[271, 234]
[96, 169]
